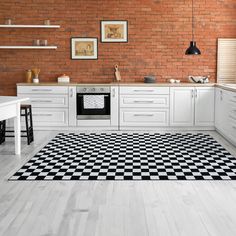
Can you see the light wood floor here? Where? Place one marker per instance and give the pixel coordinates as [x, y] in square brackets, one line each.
[108, 208]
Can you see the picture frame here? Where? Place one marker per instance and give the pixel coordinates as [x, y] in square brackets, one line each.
[84, 48]
[114, 31]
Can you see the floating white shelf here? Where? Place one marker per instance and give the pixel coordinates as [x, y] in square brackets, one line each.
[28, 47]
[30, 26]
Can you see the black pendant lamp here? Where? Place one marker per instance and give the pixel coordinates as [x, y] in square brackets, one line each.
[193, 50]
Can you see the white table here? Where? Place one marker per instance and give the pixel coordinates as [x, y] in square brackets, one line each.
[10, 108]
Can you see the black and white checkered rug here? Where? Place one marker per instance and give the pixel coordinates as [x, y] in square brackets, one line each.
[130, 157]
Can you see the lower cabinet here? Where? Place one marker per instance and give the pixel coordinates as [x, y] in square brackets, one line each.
[49, 104]
[144, 106]
[226, 113]
[191, 106]
[182, 106]
[204, 106]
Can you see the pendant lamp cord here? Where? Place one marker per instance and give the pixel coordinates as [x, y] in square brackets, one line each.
[192, 22]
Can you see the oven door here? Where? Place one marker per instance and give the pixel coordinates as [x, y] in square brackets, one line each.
[91, 111]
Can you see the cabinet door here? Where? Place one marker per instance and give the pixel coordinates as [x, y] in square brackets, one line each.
[204, 106]
[219, 109]
[230, 123]
[114, 106]
[182, 106]
[72, 106]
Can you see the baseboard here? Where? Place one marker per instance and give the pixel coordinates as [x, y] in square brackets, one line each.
[115, 128]
[210, 128]
[226, 137]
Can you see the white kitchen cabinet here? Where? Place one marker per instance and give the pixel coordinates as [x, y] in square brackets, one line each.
[225, 115]
[204, 106]
[220, 109]
[144, 106]
[72, 106]
[182, 106]
[191, 106]
[114, 106]
[49, 104]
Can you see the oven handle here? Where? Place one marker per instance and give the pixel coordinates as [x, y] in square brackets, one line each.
[91, 95]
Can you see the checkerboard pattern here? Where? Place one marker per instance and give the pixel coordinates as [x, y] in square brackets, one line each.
[130, 157]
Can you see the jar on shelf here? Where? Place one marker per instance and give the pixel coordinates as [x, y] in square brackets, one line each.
[28, 76]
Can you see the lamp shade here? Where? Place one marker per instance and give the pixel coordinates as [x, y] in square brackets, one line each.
[193, 50]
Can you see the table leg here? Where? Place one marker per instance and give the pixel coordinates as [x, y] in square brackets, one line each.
[17, 129]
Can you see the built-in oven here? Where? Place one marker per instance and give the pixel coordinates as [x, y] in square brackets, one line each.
[93, 103]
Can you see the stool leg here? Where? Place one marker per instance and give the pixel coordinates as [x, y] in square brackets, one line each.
[27, 126]
[2, 131]
[31, 125]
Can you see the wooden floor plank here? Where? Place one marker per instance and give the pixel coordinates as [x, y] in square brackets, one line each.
[110, 208]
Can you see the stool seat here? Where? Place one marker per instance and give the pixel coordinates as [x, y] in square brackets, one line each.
[25, 106]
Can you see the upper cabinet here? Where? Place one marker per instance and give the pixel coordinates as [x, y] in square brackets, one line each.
[226, 62]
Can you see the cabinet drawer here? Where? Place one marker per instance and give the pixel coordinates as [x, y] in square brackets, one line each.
[160, 101]
[142, 117]
[42, 89]
[50, 117]
[144, 90]
[44, 100]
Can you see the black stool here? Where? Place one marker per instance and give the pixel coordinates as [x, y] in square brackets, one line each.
[2, 131]
[26, 112]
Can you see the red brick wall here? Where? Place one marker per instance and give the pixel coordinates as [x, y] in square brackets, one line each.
[159, 33]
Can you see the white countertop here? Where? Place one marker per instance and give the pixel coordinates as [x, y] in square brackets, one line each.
[230, 87]
[120, 84]
[7, 100]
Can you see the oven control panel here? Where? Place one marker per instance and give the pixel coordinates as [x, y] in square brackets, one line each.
[97, 89]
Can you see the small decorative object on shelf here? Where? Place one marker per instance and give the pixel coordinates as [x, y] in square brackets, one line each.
[36, 72]
[36, 42]
[175, 81]
[8, 21]
[63, 79]
[28, 76]
[43, 42]
[47, 22]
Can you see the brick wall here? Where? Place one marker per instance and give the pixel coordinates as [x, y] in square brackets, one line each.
[159, 33]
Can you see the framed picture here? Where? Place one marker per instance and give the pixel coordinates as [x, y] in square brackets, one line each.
[114, 31]
[84, 48]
